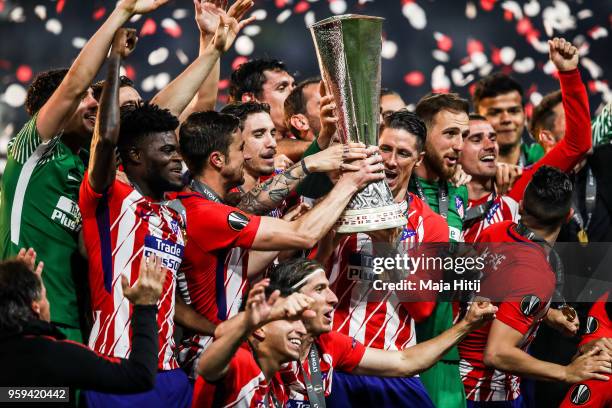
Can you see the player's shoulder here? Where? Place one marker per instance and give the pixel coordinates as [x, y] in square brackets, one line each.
[498, 232]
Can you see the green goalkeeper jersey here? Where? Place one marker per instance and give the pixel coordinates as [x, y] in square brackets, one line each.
[39, 209]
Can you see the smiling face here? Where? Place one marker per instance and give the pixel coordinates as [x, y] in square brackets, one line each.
[505, 113]
[400, 153]
[275, 90]
[325, 300]
[162, 161]
[480, 150]
[259, 135]
[283, 339]
[83, 120]
[445, 141]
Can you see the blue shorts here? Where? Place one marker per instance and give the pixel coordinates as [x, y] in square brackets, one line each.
[517, 403]
[172, 389]
[368, 391]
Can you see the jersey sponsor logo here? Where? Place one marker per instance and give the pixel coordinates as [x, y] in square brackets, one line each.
[454, 234]
[580, 395]
[591, 325]
[530, 304]
[237, 220]
[459, 206]
[67, 213]
[492, 211]
[170, 252]
[360, 267]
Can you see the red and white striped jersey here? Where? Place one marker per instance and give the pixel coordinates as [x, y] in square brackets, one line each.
[243, 386]
[503, 208]
[120, 227]
[378, 320]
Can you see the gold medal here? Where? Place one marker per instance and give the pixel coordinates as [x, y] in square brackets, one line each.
[569, 312]
[583, 238]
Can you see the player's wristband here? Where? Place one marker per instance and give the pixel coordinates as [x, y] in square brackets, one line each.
[304, 168]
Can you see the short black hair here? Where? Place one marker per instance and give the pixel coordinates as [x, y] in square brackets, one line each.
[286, 275]
[137, 122]
[296, 102]
[543, 115]
[250, 77]
[432, 103]
[493, 85]
[242, 110]
[203, 133]
[97, 87]
[408, 121]
[19, 287]
[548, 197]
[41, 89]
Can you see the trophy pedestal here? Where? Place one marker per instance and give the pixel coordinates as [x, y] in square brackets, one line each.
[371, 219]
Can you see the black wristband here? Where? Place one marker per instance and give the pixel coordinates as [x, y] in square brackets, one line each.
[304, 168]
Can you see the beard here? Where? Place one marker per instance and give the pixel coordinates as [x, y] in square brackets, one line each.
[435, 162]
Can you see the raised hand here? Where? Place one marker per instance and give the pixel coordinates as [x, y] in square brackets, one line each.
[140, 6]
[460, 178]
[563, 54]
[329, 120]
[370, 170]
[29, 258]
[506, 176]
[591, 365]
[479, 313]
[150, 283]
[337, 157]
[212, 18]
[124, 42]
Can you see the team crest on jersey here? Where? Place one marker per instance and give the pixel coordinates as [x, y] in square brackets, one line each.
[459, 206]
[530, 304]
[591, 325]
[580, 395]
[237, 220]
[407, 233]
[492, 211]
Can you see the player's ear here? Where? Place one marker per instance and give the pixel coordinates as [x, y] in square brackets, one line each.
[217, 160]
[299, 122]
[259, 334]
[420, 159]
[134, 154]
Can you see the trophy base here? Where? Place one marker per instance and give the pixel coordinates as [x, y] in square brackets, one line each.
[371, 219]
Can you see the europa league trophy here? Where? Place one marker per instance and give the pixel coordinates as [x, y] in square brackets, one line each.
[348, 49]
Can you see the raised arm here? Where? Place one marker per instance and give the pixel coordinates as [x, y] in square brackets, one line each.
[106, 132]
[420, 357]
[177, 95]
[67, 96]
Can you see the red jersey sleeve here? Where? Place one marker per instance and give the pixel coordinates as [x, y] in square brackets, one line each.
[88, 198]
[589, 394]
[212, 225]
[577, 141]
[346, 352]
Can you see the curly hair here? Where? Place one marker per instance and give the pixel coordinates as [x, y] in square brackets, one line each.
[19, 287]
[408, 121]
[243, 110]
[249, 77]
[41, 89]
[140, 121]
[495, 84]
[203, 133]
[548, 196]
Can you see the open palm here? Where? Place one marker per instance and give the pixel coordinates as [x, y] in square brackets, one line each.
[141, 6]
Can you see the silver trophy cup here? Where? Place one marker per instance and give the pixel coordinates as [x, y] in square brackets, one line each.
[348, 49]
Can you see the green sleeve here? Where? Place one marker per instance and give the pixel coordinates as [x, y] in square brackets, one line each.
[23, 145]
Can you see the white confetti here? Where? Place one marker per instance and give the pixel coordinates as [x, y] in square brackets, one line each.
[41, 12]
[532, 8]
[415, 15]
[122, 71]
[558, 18]
[15, 95]
[158, 56]
[539, 46]
[7, 133]
[337, 6]
[584, 14]
[260, 14]
[599, 32]
[148, 84]
[440, 55]
[485, 70]
[79, 42]
[389, 50]
[309, 18]
[54, 26]
[523, 66]
[594, 70]
[244, 45]
[135, 18]
[467, 67]
[16, 15]
[514, 8]
[161, 80]
[410, 107]
[507, 55]
[536, 98]
[459, 79]
[182, 57]
[283, 16]
[439, 80]
[179, 14]
[251, 30]
[471, 11]
[478, 58]
[169, 23]
[549, 67]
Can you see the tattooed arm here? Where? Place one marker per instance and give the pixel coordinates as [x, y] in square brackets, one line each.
[270, 194]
